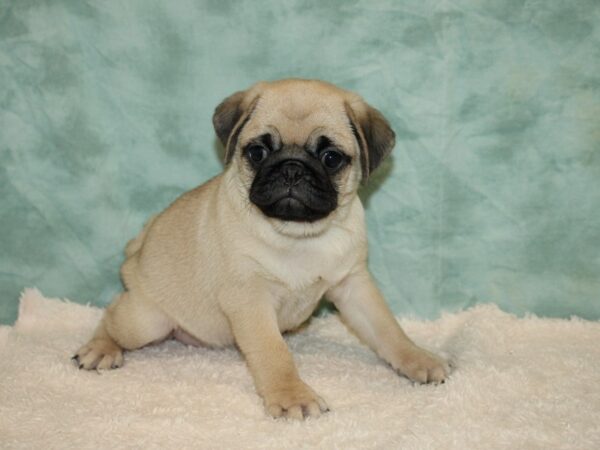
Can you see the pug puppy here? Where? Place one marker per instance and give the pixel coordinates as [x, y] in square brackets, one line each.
[248, 255]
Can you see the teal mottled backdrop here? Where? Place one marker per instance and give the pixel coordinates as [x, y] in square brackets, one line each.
[492, 195]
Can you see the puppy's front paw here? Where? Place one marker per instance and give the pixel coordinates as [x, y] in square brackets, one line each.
[295, 401]
[99, 354]
[422, 366]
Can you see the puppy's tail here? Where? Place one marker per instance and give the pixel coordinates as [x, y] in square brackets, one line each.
[136, 243]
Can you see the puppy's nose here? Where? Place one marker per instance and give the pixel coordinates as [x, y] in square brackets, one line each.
[292, 172]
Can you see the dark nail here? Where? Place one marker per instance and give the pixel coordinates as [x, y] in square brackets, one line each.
[80, 366]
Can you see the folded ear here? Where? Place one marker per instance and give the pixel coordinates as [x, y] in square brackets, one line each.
[229, 119]
[375, 137]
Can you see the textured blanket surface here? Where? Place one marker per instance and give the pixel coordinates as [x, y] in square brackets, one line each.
[517, 383]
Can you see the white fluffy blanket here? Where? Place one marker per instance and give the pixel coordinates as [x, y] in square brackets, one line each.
[526, 383]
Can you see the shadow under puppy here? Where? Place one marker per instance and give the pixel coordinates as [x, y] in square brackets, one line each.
[249, 254]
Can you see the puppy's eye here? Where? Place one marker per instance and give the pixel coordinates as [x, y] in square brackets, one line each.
[257, 153]
[332, 159]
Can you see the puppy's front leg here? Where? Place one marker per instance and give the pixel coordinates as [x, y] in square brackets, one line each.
[256, 332]
[363, 308]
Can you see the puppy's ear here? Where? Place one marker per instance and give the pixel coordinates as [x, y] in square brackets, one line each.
[375, 137]
[229, 119]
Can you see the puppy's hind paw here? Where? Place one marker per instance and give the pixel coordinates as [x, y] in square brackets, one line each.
[100, 354]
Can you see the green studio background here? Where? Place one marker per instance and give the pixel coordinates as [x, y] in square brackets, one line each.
[492, 194]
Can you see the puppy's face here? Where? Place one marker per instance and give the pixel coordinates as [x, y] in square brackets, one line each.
[291, 181]
[301, 147]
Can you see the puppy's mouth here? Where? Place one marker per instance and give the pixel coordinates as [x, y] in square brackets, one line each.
[291, 207]
[304, 197]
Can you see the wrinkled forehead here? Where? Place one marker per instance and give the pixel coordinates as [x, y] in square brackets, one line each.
[299, 114]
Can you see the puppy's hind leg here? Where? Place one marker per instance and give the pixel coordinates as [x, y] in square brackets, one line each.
[128, 323]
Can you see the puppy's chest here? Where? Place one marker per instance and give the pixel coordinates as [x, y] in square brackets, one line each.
[301, 272]
[300, 280]
[295, 306]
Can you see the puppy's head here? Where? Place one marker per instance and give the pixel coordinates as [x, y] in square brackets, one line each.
[301, 147]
